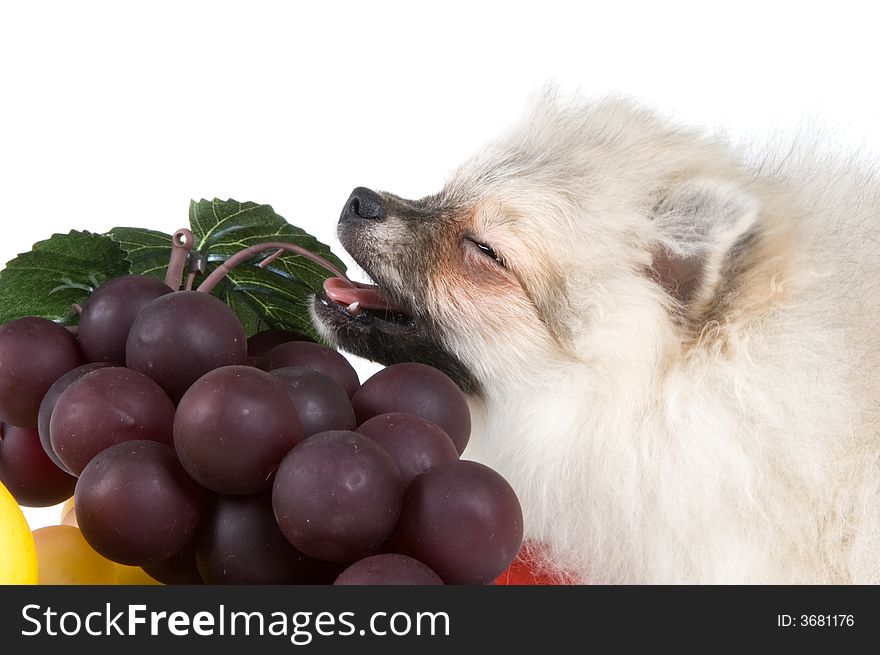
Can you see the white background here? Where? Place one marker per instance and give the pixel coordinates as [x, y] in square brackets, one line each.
[117, 113]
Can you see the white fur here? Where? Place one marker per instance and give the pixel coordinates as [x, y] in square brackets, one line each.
[748, 454]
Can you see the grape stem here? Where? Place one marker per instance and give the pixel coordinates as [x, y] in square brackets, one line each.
[279, 247]
[181, 243]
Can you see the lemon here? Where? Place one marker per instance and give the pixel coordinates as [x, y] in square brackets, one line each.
[18, 557]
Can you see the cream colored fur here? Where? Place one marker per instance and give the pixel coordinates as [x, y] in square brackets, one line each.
[730, 438]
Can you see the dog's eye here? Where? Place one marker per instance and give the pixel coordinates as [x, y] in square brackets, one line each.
[487, 251]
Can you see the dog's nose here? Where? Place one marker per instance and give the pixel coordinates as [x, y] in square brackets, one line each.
[363, 203]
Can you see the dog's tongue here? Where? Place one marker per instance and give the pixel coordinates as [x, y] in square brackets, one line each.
[368, 296]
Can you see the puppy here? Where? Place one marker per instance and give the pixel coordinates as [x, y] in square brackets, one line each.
[672, 351]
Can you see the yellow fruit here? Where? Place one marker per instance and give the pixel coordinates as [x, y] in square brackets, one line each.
[18, 558]
[68, 514]
[133, 575]
[66, 558]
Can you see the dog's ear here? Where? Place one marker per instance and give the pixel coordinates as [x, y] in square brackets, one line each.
[700, 225]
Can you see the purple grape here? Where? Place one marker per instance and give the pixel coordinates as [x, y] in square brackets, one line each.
[179, 569]
[26, 470]
[109, 312]
[337, 496]
[316, 357]
[239, 542]
[136, 505]
[463, 520]
[34, 353]
[105, 407]
[262, 342]
[51, 399]
[415, 443]
[179, 337]
[320, 403]
[233, 427]
[388, 569]
[416, 389]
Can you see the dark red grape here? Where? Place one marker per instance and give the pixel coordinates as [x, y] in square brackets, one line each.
[463, 520]
[136, 505]
[179, 337]
[50, 400]
[415, 443]
[416, 389]
[388, 569]
[233, 427]
[109, 312]
[262, 342]
[316, 357]
[239, 542]
[27, 471]
[320, 403]
[179, 569]
[104, 408]
[34, 353]
[337, 496]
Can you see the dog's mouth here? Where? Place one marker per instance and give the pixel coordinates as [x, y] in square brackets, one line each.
[362, 302]
[382, 321]
[369, 321]
[357, 313]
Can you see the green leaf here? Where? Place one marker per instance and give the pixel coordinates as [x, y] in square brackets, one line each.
[263, 300]
[147, 250]
[64, 269]
[273, 297]
[56, 273]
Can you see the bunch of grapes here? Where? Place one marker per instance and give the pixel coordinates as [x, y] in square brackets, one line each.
[203, 456]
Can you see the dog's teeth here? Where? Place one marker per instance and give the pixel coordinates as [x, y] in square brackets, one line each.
[354, 308]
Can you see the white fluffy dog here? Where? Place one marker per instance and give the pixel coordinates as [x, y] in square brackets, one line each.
[673, 352]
